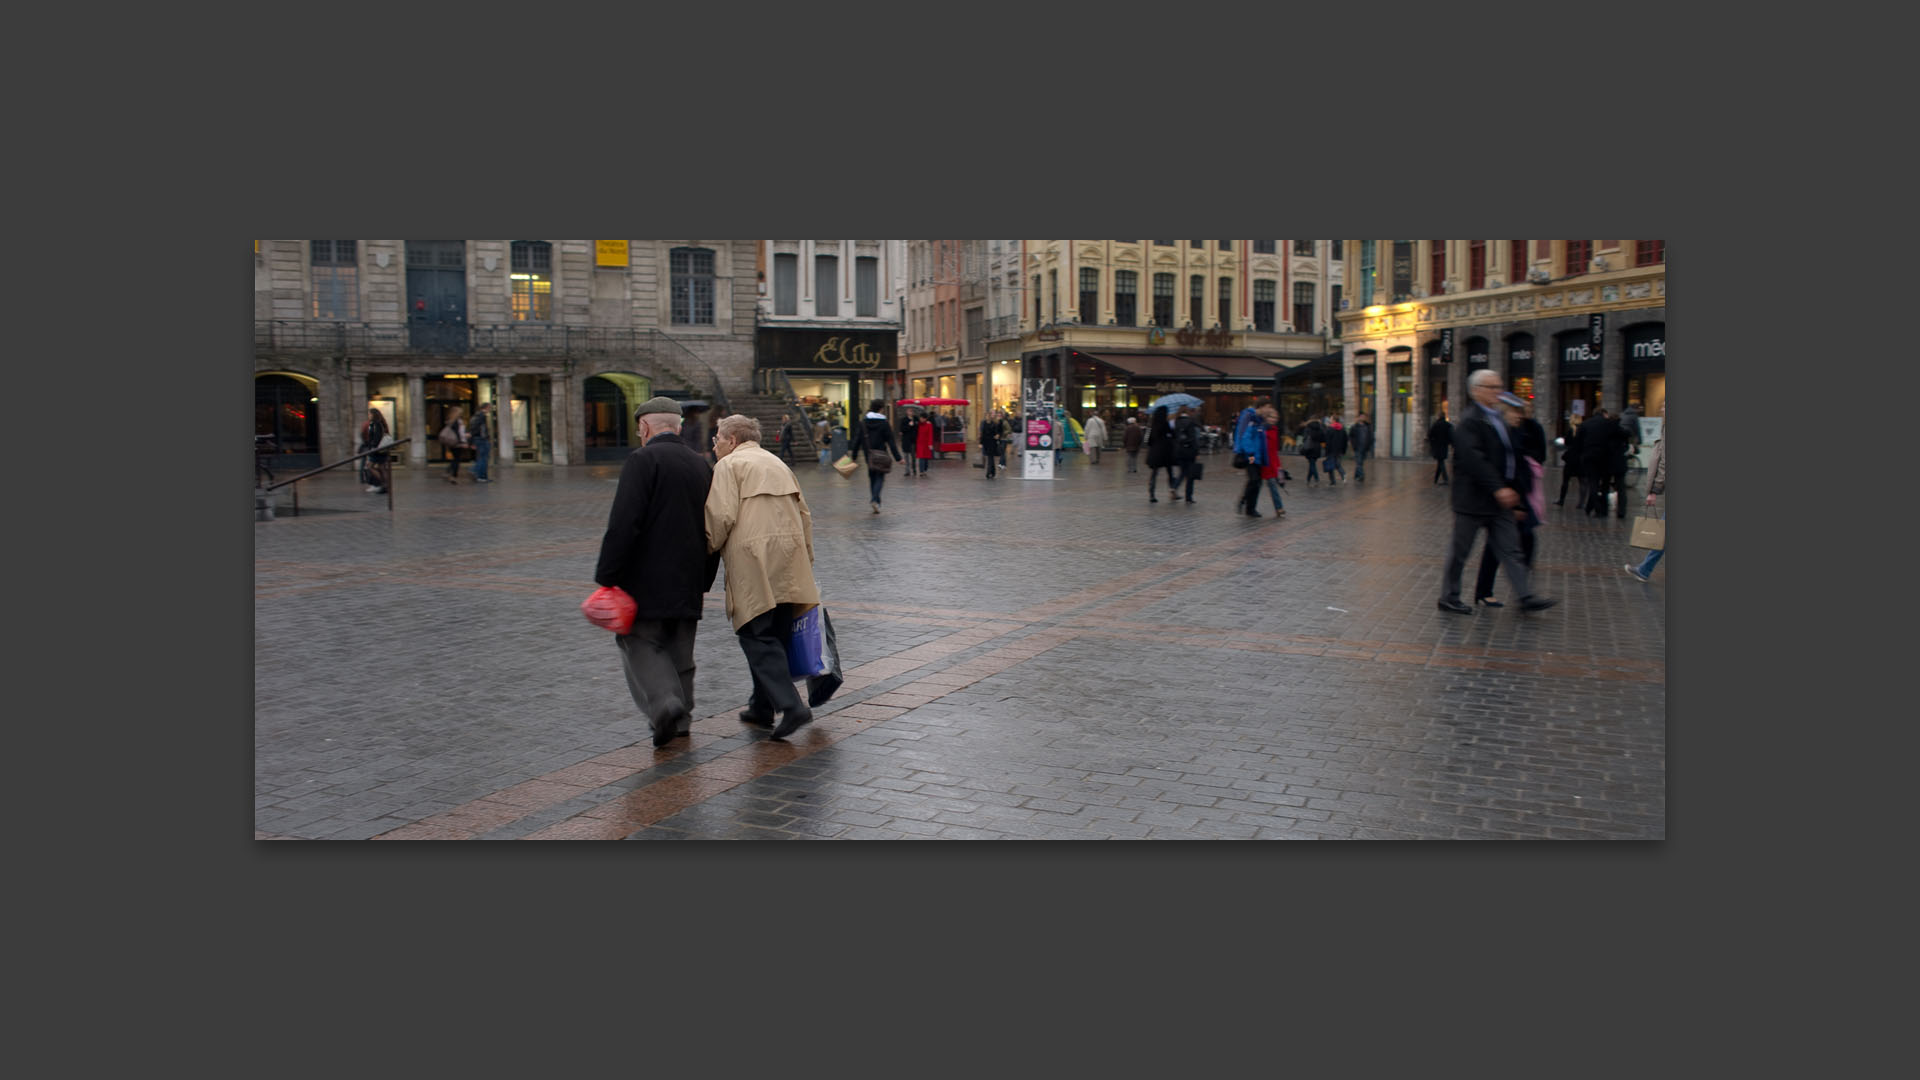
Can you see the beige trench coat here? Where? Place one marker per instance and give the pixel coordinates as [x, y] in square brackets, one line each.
[759, 523]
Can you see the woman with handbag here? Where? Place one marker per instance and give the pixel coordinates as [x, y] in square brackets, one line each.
[1656, 485]
[454, 437]
[875, 436]
[1266, 467]
[1159, 451]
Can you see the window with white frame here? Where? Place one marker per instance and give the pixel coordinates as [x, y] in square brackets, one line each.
[530, 271]
[336, 279]
[691, 286]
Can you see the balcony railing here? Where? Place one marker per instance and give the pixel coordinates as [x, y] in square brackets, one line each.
[537, 340]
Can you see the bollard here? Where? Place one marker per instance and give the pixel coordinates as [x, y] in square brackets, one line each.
[262, 504]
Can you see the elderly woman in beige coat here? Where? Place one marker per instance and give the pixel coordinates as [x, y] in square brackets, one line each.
[759, 523]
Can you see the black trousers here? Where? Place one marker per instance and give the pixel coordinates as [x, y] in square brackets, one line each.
[1490, 563]
[763, 640]
[1250, 495]
[1440, 470]
[657, 655]
[1503, 536]
[1568, 474]
[1153, 478]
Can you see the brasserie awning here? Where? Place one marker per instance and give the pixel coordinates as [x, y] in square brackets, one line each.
[1153, 365]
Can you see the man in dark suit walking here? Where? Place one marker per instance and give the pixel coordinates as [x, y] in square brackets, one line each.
[655, 549]
[1486, 457]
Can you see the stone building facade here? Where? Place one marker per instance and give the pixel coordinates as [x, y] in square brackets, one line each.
[1572, 325]
[564, 337]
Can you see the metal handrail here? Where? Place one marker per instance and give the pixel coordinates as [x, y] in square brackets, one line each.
[387, 449]
[791, 401]
[719, 391]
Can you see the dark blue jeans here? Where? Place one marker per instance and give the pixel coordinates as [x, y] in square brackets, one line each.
[875, 481]
[482, 453]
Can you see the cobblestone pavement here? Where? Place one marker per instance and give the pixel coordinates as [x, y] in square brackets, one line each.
[1024, 660]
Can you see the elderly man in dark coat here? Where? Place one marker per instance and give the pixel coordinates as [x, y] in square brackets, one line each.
[655, 549]
[1487, 459]
[1604, 462]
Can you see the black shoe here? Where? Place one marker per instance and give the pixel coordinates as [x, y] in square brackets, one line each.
[1536, 603]
[1189, 500]
[792, 722]
[1489, 601]
[1456, 607]
[763, 721]
[1152, 499]
[662, 738]
[1255, 513]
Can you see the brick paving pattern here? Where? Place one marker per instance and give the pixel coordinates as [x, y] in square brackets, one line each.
[1024, 660]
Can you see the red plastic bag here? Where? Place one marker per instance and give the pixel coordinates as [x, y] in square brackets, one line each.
[610, 608]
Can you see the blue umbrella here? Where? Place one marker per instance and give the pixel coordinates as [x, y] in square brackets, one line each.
[1174, 401]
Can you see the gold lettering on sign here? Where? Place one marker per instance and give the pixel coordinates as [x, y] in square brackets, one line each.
[835, 352]
[1231, 388]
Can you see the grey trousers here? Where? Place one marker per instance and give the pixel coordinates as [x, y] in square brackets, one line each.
[763, 640]
[658, 657]
[1503, 536]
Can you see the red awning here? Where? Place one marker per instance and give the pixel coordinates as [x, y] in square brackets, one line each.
[1154, 365]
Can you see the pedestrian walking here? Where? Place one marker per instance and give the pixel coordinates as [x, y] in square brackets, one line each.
[1130, 439]
[992, 430]
[1361, 435]
[1440, 444]
[655, 550]
[1487, 459]
[373, 436]
[1596, 464]
[1249, 417]
[924, 438]
[1532, 450]
[1313, 440]
[875, 437]
[1258, 437]
[1656, 485]
[1096, 437]
[1336, 446]
[758, 523]
[1159, 451]
[786, 440]
[1186, 450]
[909, 436]
[453, 436]
[1006, 440]
[482, 434]
[1570, 468]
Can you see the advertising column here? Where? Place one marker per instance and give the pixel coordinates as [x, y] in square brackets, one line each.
[1039, 397]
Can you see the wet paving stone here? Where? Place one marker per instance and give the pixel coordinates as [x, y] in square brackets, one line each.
[1025, 660]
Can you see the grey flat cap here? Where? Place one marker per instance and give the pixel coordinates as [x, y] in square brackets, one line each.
[658, 405]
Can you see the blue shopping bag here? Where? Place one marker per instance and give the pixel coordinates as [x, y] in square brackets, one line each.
[807, 645]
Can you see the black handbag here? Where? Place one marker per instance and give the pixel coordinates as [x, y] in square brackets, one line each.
[1240, 460]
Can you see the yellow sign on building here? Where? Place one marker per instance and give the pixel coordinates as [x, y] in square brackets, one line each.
[609, 253]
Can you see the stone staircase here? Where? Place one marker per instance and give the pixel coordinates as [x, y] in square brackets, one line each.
[771, 411]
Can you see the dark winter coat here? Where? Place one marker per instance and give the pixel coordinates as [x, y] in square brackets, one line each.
[1533, 439]
[1159, 441]
[655, 547]
[1480, 463]
[1362, 438]
[1604, 452]
[1440, 439]
[872, 433]
[1132, 436]
[1336, 442]
[1313, 439]
[1186, 441]
[991, 432]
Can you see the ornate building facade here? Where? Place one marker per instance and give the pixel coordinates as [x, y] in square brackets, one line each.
[1572, 325]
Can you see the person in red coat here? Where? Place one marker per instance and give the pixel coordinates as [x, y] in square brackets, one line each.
[923, 441]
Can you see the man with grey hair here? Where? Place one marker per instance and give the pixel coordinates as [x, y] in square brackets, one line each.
[655, 549]
[758, 523]
[1486, 460]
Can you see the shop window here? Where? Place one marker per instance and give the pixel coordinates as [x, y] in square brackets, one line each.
[1477, 264]
[336, 279]
[826, 285]
[866, 285]
[1303, 307]
[691, 283]
[786, 284]
[1579, 253]
[1126, 297]
[1163, 299]
[1645, 252]
[1089, 295]
[530, 270]
[1264, 293]
[1266, 247]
